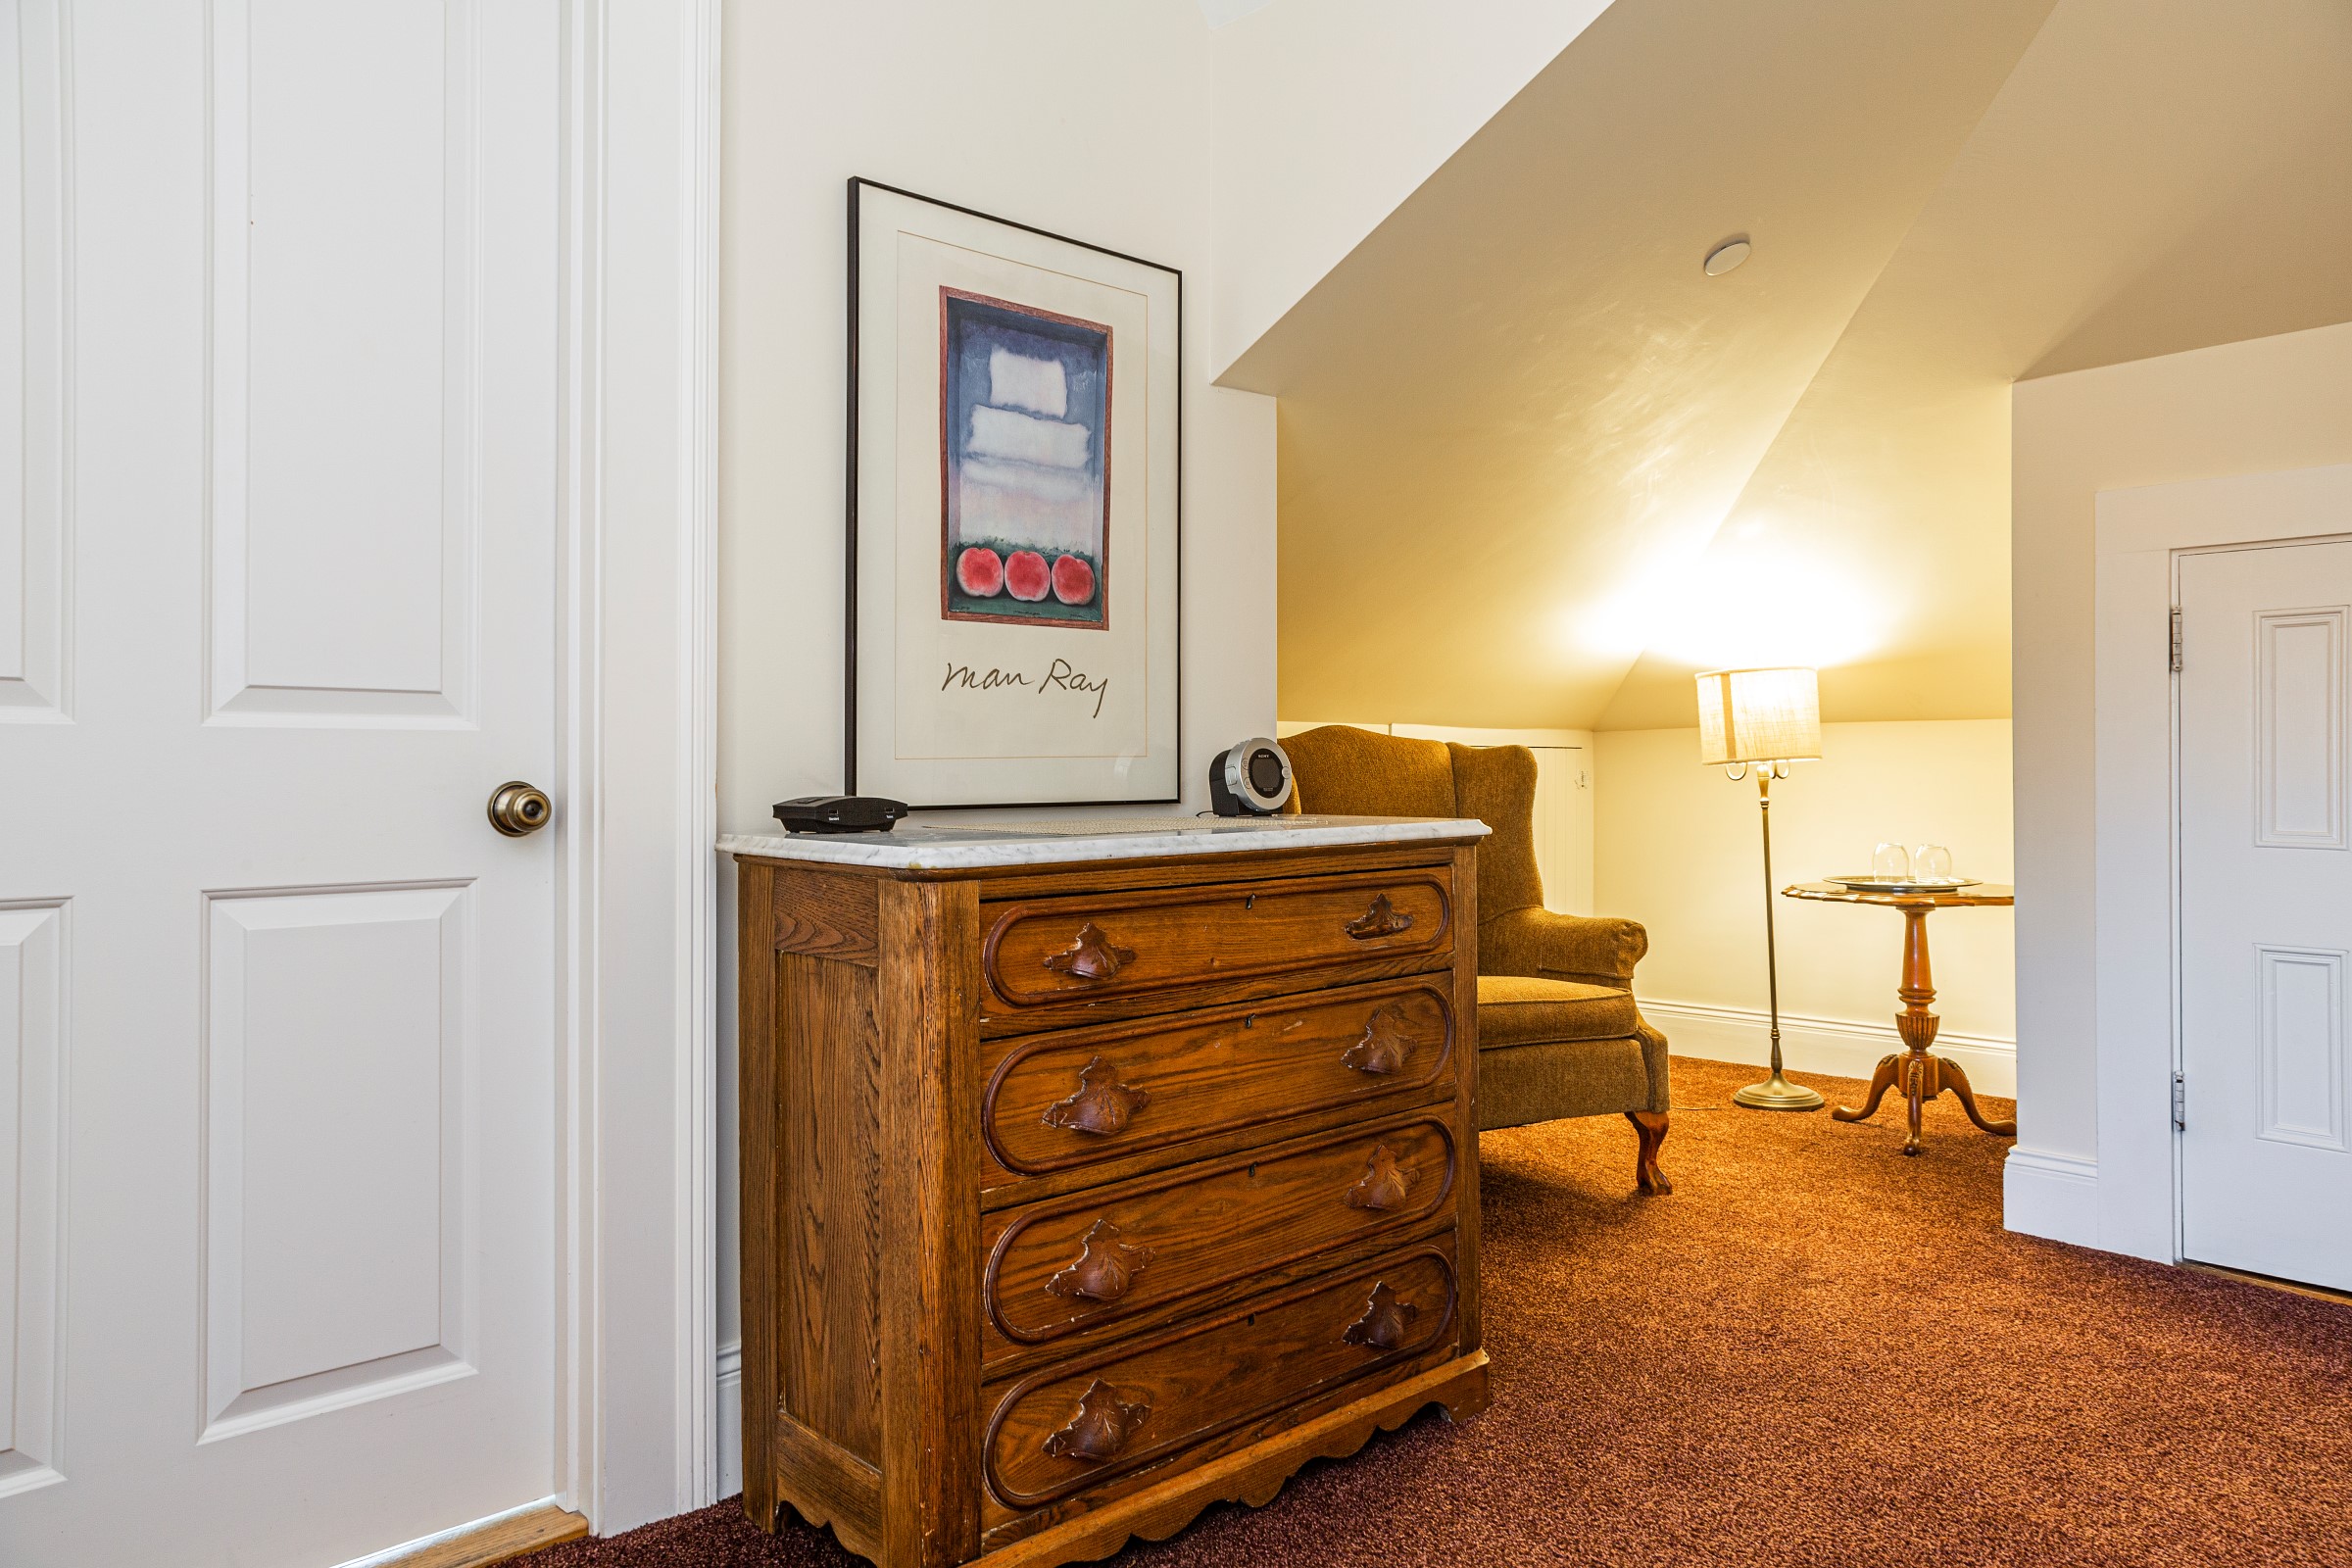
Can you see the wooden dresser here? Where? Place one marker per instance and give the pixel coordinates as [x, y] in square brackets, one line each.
[1088, 1181]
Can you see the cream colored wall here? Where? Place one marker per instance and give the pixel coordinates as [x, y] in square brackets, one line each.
[1677, 847]
[941, 98]
[1086, 119]
[2258, 406]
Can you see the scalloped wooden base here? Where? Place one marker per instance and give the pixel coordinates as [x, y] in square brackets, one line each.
[1254, 1475]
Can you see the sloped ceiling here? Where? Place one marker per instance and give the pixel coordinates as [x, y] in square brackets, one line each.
[1325, 115]
[1536, 467]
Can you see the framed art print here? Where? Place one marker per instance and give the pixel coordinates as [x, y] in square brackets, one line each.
[1015, 442]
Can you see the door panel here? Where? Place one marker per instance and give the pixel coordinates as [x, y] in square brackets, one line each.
[336, 1184]
[33, 989]
[2298, 703]
[2266, 909]
[278, 1081]
[341, 209]
[35, 649]
[2302, 1047]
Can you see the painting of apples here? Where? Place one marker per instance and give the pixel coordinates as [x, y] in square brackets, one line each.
[1015, 513]
[1025, 443]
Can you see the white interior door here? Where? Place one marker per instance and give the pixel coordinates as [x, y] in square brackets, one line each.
[277, 614]
[2266, 910]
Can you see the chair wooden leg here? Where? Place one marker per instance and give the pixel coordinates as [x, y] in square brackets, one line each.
[1649, 1128]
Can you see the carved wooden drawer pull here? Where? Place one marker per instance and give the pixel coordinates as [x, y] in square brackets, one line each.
[1383, 919]
[1385, 1046]
[1386, 1323]
[1100, 1428]
[1106, 1266]
[1093, 956]
[1384, 1183]
[1103, 1106]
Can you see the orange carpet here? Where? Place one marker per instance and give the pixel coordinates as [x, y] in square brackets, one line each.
[1815, 1352]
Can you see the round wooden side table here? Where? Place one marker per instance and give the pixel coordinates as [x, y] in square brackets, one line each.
[1921, 1074]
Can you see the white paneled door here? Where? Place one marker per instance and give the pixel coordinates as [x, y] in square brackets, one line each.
[278, 614]
[2266, 910]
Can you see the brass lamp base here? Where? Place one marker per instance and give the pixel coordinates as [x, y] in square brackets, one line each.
[1777, 1093]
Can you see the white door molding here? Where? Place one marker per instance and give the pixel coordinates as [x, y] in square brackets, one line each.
[637, 1253]
[2140, 536]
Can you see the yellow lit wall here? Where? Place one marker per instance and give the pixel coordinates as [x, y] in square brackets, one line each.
[1676, 847]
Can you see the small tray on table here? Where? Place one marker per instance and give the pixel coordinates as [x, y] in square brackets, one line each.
[1906, 884]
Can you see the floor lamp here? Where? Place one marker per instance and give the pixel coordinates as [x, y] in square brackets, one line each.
[1764, 719]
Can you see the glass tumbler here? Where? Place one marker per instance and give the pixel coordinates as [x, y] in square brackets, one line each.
[1891, 862]
[1932, 862]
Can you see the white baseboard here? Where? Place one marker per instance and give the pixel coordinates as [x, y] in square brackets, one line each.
[2051, 1196]
[1830, 1046]
[730, 1418]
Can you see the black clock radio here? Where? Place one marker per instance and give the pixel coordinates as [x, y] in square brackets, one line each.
[1251, 779]
[839, 814]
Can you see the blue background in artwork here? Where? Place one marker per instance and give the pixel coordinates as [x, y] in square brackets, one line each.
[974, 328]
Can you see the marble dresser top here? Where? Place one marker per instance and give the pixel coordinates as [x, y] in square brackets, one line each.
[977, 845]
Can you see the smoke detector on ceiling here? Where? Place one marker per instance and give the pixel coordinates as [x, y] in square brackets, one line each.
[1726, 256]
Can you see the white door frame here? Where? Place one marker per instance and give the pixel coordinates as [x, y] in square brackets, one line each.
[636, 1252]
[2141, 534]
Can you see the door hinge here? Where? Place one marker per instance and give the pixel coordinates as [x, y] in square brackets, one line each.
[2181, 1101]
[2176, 639]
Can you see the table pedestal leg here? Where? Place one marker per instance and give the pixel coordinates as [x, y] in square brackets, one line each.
[1957, 1082]
[1879, 1082]
[1919, 1073]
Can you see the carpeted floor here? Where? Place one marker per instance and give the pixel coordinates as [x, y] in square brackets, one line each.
[1815, 1352]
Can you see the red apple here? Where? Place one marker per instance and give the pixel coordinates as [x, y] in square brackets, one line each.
[979, 572]
[1026, 576]
[1073, 580]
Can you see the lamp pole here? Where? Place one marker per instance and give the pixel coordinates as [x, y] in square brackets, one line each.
[1775, 1093]
[1765, 719]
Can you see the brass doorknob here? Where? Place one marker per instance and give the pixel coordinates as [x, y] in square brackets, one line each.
[517, 809]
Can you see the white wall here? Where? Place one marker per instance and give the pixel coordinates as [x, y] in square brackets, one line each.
[2258, 406]
[1677, 847]
[1086, 119]
[1329, 113]
[2242, 407]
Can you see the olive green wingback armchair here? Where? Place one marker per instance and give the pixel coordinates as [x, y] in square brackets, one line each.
[1559, 1034]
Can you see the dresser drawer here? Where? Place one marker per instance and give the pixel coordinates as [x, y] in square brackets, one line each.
[1101, 1257]
[1080, 1097]
[1039, 952]
[1085, 1423]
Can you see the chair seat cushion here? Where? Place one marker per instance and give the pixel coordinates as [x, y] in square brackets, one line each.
[1521, 1010]
[1522, 1083]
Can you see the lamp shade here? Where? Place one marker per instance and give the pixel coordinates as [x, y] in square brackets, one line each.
[1758, 715]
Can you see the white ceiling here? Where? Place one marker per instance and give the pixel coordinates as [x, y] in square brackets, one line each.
[1535, 468]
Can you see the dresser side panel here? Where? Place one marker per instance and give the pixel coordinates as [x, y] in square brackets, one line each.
[830, 1205]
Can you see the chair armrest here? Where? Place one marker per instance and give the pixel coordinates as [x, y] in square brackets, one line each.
[1595, 950]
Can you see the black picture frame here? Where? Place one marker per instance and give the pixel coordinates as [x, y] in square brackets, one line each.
[851, 463]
